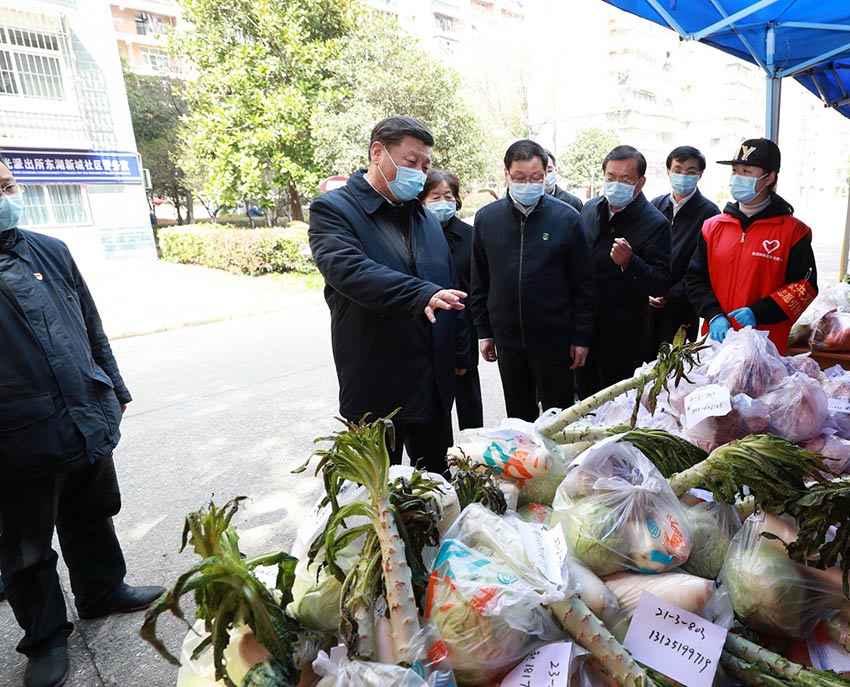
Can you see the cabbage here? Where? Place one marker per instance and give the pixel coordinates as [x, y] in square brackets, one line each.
[593, 535]
[712, 525]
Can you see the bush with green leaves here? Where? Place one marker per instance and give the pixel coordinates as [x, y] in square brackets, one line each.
[243, 251]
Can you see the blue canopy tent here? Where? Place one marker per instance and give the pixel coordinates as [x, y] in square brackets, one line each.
[805, 39]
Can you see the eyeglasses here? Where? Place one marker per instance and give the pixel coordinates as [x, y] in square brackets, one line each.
[523, 180]
[11, 189]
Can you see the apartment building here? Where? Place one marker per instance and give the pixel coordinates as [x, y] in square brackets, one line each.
[141, 28]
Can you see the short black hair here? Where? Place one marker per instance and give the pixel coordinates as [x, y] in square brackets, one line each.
[684, 153]
[551, 157]
[391, 130]
[523, 150]
[626, 153]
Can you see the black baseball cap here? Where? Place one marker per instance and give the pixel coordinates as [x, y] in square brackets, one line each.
[758, 152]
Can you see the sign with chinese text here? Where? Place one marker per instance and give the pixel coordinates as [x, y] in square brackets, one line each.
[549, 666]
[73, 166]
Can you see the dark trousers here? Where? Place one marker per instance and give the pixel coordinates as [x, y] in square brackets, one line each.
[79, 505]
[532, 376]
[426, 443]
[470, 412]
[596, 376]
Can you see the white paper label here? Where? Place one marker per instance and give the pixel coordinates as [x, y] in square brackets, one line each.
[675, 642]
[827, 655]
[838, 405]
[549, 666]
[546, 548]
[708, 401]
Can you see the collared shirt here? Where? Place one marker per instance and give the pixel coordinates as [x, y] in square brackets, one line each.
[525, 210]
[678, 204]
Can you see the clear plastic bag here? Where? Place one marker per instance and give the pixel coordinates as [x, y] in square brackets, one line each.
[805, 364]
[831, 332]
[835, 449]
[748, 416]
[770, 592]
[619, 513]
[747, 363]
[798, 408]
[713, 524]
[487, 598]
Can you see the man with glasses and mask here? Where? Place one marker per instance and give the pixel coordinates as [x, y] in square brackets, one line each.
[686, 209]
[388, 285]
[753, 265]
[61, 401]
[630, 247]
[533, 289]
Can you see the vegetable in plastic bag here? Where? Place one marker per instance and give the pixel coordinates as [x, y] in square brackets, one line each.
[747, 362]
[831, 332]
[487, 599]
[770, 592]
[619, 513]
[798, 408]
[747, 416]
[835, 449]
[713, 524]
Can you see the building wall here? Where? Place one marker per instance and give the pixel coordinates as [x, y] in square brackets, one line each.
[62, 97]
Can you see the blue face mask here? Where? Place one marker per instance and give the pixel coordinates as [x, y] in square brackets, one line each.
[683, 184]
[618, 194]
[526, 194]
[11, 211]
[408, 182]
[743, 189]
[443, 209]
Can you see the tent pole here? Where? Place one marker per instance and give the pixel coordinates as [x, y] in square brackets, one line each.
[774, 96]
[845, 244]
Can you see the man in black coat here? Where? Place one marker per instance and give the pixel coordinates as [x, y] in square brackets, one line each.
[61, 401]
[388, 279]
[533, 289]
[686, 209]
[630, 247]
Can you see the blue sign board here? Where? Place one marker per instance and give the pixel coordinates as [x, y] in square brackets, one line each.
[73, 166]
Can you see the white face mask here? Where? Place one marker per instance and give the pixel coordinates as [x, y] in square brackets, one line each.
[551, 181]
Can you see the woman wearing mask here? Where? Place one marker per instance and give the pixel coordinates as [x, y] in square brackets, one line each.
[753, 265]
[441, 195]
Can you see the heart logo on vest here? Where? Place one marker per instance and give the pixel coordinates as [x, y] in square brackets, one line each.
[770, 246]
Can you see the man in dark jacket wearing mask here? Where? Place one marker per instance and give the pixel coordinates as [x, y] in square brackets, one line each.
[533, 289]
[630, 246]
[686, 209]
[388, 280]
[61, 400]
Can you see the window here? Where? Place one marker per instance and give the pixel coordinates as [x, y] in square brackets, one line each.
[142, 24]
[31, 56]
[443, 22]
[54, 204]
[155, 58]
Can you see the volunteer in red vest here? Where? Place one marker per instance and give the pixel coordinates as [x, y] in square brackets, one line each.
[753, 265]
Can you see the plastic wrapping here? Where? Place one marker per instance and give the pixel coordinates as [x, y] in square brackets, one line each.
[831, 332]
[619, 513]
[835, 449]
[688, 592]
[770, 592]
[713, 524]
[805, 364]
[514, 450]
[592, 590]
[748, 416]
[836, 386]
[798, 408]
[747, 363]
[487, 598]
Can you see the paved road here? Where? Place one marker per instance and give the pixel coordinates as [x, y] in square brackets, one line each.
[220, 410]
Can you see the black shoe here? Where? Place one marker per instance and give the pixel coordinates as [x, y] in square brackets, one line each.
[125, 599]
[48, 668]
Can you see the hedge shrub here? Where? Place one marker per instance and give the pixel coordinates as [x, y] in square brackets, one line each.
[243, 251]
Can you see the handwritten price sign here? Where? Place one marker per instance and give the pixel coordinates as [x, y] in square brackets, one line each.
[675, 642]
[549, 666]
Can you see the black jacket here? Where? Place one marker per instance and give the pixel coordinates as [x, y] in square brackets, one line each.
[568, 198]
[381, 264]
[459, 237]
[687, 225]
[532, 280]
[60, 388]
[622, 317]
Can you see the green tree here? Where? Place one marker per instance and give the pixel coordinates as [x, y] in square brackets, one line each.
[260, 65]
[156, 106]
[383, 71]
[581, 165]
